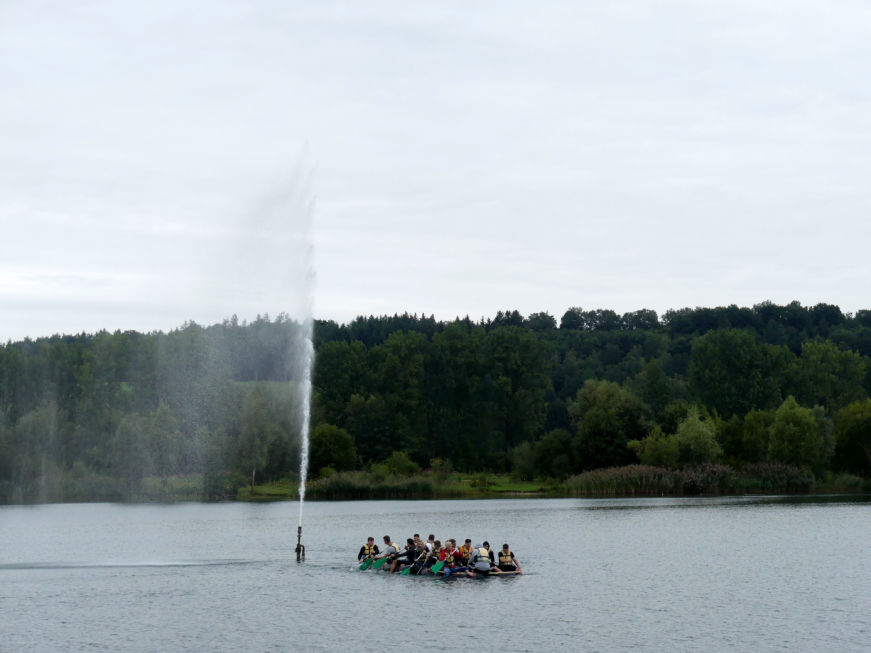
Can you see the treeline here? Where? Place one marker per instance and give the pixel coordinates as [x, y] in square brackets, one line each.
[101, 415]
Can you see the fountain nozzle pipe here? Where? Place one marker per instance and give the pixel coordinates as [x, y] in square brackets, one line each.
[300, 549]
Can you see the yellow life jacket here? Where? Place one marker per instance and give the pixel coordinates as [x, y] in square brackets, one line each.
[449, 557]
[467, 552]
[505, 558]
[368, 551]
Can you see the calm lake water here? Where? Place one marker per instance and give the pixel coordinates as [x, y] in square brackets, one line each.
[724, 574]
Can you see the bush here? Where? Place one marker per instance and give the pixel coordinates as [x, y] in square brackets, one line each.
[440, 468]
[631, 480]
[400, 464]
[705, 479]
[360, 485]
[779, 476]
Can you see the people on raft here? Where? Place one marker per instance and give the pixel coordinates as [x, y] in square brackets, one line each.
[508, 561]
[421, 556]
[368, 551]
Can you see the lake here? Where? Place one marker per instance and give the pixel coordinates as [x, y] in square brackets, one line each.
[701, 574]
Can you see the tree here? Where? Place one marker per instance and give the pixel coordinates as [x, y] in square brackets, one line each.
[606, 417]
[794, 437]
[694, 443]
[130, 453]
[518, 368]
[757, 430]
[332, 447]
[573, 318]
[828, 376]
[697, 440]
[731, 373]
[541, 322]
[264, 431]
[654, 387]
[368, 421]
[340, 372]
[163, 440]
[657, 449]
[644, 319]
[522, 462]
[553, 454]
[400, 464]
[853, 437]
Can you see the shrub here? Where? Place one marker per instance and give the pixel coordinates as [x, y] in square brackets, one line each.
[631, 480]
[399, 463]
[779, 476]
[705, 479]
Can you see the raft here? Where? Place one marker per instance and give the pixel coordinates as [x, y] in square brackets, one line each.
[427, 573]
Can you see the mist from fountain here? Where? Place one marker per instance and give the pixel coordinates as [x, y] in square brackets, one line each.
[306, 395]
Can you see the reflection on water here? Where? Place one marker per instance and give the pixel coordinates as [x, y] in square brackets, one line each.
[732, 573]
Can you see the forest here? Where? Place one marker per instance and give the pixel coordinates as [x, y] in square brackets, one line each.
[771, 389]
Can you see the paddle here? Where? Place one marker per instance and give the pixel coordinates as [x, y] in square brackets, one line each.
[405, 571]
[437, 567]
[366, 564]
[379, 563]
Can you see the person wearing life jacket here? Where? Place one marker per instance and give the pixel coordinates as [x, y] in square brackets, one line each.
[390, 547]
[466, 551]
[486, 545]
[480, 562]
[420, 555]
[433, 554]
[508, 561]
[368, 551]
[452, 558]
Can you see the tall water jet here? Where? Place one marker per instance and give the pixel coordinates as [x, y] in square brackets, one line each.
[306, 394]
[303, 350]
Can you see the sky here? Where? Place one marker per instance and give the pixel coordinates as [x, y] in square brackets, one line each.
[169, 161]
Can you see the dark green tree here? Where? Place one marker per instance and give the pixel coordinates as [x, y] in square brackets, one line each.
[794, 436]
[606, 417]
[853, 437]
[731, 373]
[331, 447]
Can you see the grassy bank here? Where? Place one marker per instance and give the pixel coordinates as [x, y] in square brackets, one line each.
[365, 485]
[628, 481]
[632, 480]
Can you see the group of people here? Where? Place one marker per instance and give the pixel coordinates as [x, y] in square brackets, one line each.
[421, 556]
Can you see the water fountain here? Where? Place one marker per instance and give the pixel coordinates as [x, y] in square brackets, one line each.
[307, 362]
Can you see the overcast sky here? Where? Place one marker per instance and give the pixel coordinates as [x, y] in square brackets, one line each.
[166, 161]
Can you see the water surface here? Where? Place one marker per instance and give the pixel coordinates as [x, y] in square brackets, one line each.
[725, 574]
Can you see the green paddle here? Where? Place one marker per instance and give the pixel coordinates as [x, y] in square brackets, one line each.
[437, 567]
[379, 563]
[366, 564]
[405, 571]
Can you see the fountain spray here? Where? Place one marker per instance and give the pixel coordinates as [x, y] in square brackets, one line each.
[308, 363]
